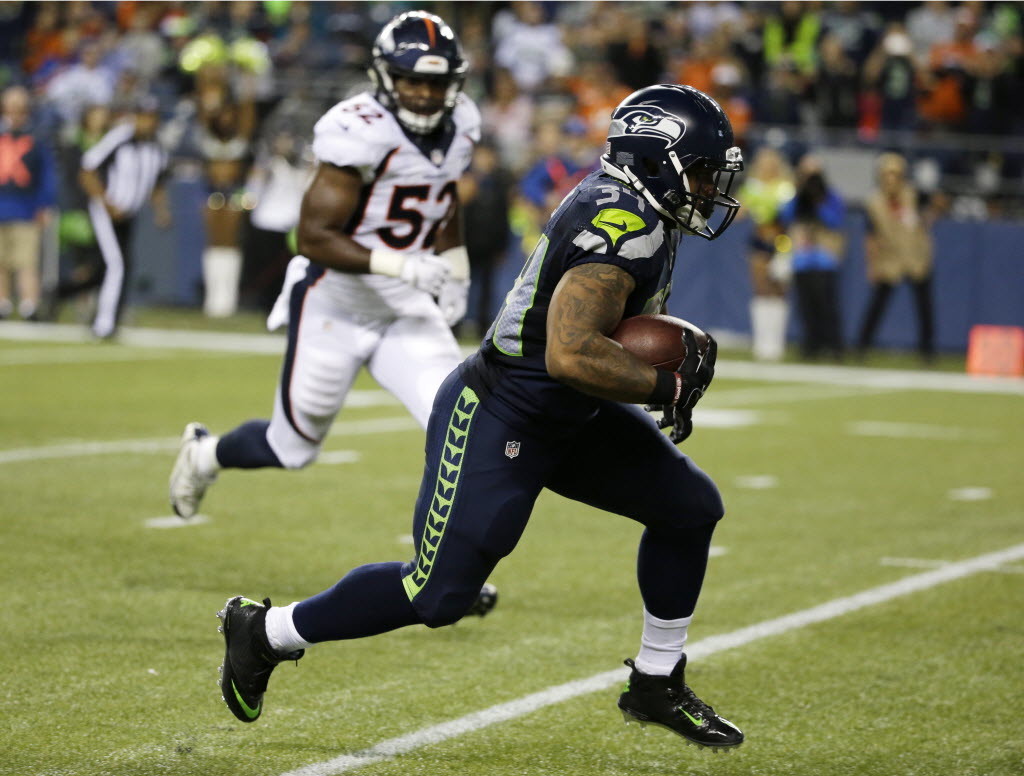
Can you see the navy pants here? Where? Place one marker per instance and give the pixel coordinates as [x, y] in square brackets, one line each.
[481, 479]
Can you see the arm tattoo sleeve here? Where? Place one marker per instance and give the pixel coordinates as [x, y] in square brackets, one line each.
[585, 308]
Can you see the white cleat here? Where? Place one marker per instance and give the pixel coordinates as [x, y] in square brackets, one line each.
[188, 485]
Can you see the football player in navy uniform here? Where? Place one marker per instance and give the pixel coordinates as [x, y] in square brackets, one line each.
[549, 401]
[384, 271]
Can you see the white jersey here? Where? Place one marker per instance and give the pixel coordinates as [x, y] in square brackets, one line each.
[406, 192]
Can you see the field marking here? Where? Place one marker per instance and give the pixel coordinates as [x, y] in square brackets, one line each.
[882, 428]
[863, 377]
[887, 379]
[928, 563]
[173, 521]
[756, 481]
[330, 457]
[58, 356]
[504, 712]
[164, 444]
[973, 493]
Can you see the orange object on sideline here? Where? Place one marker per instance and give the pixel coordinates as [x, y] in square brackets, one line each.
[996, 350]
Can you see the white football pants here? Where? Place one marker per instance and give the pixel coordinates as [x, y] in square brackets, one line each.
[409, 355]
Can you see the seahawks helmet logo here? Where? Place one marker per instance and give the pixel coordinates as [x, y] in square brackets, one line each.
[649, 120]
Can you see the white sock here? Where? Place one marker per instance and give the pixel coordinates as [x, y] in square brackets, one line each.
[662, 644]
[281, 631]
[206, 456]
[222, 268]
[768, 316]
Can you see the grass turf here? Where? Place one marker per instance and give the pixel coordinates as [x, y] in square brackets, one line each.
[110, 648]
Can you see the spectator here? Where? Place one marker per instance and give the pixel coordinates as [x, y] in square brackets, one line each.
[768, 187]
[565, 159]
[141, 46]
[727, 89]
[87, 83]
[507, 120]
[597, 93]
[813, 219]
[45, 41]
[530, 48]
[634, 58]
[483, 192]
[28, 192]
[949, 63]
[928, 25]
[898, 249]
[855, 29]
[836, 88]
[123, 171]
[890, 72]
[792, 36]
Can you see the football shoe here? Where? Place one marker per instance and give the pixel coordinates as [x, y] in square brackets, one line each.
[668, 702]
[248, 657]
[188, 485]
[486, 600]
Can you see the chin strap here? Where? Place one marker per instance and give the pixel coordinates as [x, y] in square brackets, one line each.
[688, 217]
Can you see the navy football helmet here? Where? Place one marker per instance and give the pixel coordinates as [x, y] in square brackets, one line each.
[419, 45]
[674, 145]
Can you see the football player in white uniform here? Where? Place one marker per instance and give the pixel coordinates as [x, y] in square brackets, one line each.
[383, 273]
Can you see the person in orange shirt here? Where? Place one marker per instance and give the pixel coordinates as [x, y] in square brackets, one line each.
[945, 77]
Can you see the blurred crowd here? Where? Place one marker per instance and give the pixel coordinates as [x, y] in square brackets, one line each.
[239, 85]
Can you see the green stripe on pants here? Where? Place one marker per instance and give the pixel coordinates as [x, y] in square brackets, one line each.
[449, 472]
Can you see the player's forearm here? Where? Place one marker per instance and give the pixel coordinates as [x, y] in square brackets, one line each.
[598, 366]
[587, 304]
[332, 249]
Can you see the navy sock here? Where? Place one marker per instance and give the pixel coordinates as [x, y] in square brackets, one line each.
[368, 600]
[246, 447]
[671, 570]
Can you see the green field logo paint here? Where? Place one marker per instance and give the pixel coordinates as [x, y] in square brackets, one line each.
[617, 222]
[444, 491]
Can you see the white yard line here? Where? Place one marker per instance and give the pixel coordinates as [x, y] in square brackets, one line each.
[881, 379]
[164, 444]
[884, 428]
[886, 379]
[73, 354]
[504, 712]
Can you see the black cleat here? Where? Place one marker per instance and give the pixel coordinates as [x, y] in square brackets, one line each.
[666, 701]
[486, 600]
[248, 657]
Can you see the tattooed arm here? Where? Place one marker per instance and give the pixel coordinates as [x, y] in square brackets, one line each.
[585, 308]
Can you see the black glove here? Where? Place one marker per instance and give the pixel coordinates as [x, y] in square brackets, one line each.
[696, 373]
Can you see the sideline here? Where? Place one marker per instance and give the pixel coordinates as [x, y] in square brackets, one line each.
[866, 377]
[504, 712]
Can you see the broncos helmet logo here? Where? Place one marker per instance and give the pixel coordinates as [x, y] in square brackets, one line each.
[649, 120]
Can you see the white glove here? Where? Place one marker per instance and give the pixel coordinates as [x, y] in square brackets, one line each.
[454, 296]
[453, 300]
[424, 271]
[279, 314]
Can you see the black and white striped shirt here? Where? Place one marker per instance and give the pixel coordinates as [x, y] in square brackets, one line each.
[130, 168]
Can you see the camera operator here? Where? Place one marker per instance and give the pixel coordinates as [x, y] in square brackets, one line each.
[813, 219]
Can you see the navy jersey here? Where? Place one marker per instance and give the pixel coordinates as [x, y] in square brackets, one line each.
[600, 221]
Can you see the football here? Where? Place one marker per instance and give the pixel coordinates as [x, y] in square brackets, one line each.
[658, 339]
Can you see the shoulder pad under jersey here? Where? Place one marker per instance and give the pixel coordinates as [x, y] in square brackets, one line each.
[357, 132]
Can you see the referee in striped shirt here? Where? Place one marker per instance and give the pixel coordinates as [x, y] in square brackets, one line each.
[123, 171]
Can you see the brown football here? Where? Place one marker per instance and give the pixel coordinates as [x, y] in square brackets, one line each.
[658, 339]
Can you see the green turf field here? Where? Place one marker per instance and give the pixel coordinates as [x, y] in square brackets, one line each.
[109, 641]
